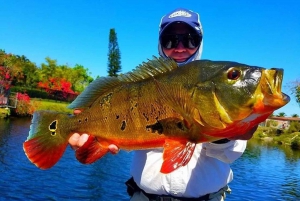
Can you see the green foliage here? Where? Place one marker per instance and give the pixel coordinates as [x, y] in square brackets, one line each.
[262, 132]
[295, 88]
[294, 127]
[33, 93]
[295, 144]
[42, 94]
[272, 123]
[281, 114]
[297, 92]
[26, 74]
[78, 76]
[286, 138]
[25, 106]
[114, 54]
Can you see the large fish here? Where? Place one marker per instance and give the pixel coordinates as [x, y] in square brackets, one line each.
[160, 105]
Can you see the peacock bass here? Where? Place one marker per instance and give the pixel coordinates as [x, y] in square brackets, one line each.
[160, 105]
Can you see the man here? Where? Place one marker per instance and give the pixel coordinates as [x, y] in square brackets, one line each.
[207, 174]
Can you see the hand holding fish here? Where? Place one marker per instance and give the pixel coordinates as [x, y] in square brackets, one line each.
[76, 141]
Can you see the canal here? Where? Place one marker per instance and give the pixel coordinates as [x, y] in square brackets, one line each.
[264, 172]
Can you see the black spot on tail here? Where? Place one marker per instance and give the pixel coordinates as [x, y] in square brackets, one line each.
[52, 126]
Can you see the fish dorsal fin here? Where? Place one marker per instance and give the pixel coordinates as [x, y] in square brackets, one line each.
[152, 68]
[93, 91]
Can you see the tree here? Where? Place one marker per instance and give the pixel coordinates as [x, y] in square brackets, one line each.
[114, 55]
[5, 80]
[281, 114]
[80, 78]
[295, 87]
[297, 93]
[48, 69]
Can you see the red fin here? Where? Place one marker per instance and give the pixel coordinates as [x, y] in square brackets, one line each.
[42, 155]
[176, 154]
[91, 151]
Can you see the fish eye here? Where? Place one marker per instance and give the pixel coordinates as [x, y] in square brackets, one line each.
[233, 74]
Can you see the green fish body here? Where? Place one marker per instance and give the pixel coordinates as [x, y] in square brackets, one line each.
[160, 105]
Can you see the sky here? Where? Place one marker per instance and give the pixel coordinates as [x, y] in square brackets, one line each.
[261, 33]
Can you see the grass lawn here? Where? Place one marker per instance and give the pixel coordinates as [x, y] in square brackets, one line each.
[44, 104]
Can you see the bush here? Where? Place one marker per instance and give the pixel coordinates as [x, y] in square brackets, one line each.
[294, 127]
[40, 93]
[33, 93]
[24, 107]
[295, 144]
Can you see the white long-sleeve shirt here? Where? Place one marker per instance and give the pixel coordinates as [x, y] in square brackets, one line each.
[207, 171]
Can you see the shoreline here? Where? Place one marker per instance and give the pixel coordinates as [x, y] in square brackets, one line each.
[4, 113]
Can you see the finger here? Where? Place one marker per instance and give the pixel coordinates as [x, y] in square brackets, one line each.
[113, 149]
[76, 111]
[83, 138]
[73, 140]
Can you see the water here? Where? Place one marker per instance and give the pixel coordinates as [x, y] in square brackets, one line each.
[262, 173]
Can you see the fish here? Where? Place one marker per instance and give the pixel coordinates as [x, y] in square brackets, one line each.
[159, 105]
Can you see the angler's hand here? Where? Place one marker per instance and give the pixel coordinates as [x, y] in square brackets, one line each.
[246, 136]
[77, 140]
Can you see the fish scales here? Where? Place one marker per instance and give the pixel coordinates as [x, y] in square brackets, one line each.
[128, 120]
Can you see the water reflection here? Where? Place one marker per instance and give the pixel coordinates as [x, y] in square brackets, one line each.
[4, 132]
[264, 172]
[290, 154]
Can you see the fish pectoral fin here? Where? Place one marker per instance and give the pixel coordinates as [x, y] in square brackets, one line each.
[176, 154]
[91, 150]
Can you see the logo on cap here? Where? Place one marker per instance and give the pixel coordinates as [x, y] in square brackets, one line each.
[180, 13]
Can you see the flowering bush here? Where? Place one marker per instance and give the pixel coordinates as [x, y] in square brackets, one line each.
[24, 106]
[5, 78]
[58, 89]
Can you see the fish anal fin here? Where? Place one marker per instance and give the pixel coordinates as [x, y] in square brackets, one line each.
[91, 150]
[43, 156]
[176, 154]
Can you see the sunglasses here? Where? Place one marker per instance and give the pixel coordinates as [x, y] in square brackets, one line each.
[190, 41]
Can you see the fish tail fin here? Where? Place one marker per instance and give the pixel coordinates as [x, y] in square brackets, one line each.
[91, 150]
[46, 142]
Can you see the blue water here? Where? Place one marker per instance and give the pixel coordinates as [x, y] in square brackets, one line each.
[262, 173]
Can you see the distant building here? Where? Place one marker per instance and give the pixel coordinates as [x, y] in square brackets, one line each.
[7, 98]
[3, 96]
[280, 122]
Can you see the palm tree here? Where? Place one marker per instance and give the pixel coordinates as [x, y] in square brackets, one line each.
[281, 114]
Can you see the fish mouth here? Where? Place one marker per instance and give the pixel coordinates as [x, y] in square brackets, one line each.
[271, 84]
